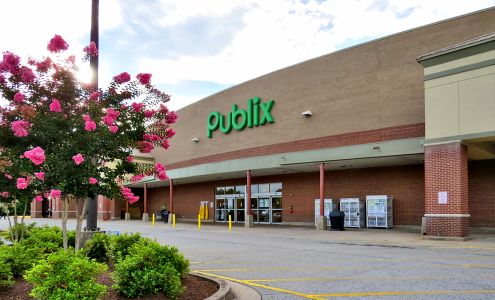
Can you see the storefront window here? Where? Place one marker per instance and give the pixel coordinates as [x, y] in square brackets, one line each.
[240, 189]
[229, 190]
[264, 188]
[254, 189]
[276, 187]
[220, 191]
[277, 203]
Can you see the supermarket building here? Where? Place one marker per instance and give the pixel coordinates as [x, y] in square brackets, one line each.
[410, 116]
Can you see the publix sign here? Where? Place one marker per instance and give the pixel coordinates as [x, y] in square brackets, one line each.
[257, 113]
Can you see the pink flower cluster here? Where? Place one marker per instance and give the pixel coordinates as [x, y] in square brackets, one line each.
[55, 106]
[78, 159]
[57, 44]
[171, 117]
[170, 132]
[145, 147]
[128, 195]
[10, 62]
[22, 183]
[36, 155]
[20, 128]
[44, 65]
[137, 178]
[144, 78]
[4, 194]
[91, 49]
[137, 106]
[89, 125]
[149, 113]
[55, 194]
[40, 175]
[27, 75]
[151, 137]
[122, 78]
[111, 116]
[19, 97]
[130, 158]
[160, 171]
[94, 96]
[93, 180]
[165, 144]
[38, 198]
[163, 109]
[8, 176]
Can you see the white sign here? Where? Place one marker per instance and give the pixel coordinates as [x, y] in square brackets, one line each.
[443, 198]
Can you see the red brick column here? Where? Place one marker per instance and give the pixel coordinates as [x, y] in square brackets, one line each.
[446, 180]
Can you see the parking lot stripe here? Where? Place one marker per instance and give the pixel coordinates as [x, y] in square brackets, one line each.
[246, 282]
[401, 293]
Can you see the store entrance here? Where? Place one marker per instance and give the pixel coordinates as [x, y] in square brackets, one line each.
[266, 209]
[230, 205]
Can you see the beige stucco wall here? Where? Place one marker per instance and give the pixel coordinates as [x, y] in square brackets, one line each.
[460, 104]
[375, 85]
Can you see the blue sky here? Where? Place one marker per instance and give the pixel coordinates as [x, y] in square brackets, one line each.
[195, 48]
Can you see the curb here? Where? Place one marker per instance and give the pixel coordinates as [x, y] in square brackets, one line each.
[229, 290]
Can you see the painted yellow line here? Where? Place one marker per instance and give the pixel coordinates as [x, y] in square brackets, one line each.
[246, 282]
[367, 278]
[366, 294]
[221, 270]
[299, 279]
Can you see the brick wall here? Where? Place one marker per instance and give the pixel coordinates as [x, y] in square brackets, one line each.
[482, 193]
[404, 183]
[446, 170]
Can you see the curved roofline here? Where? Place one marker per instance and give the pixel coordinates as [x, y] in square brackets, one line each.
[342, 50]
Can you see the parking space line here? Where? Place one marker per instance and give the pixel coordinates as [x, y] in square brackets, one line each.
[403, 293]
[247, 282]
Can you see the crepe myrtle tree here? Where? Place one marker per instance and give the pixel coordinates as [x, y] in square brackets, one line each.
[61, 139]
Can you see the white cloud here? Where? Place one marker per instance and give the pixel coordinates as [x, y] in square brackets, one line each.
[280, 33]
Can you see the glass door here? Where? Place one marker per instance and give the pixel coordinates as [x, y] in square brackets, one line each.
[254, 209]
[220, 210]
[230, 209]
[239, 210]
[276, 210]
[264, 210]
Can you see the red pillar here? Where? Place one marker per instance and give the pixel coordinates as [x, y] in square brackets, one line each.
[446, 190]
[248, 192]
[126, 206]
[322, 189]
[145, 198]
[171, 195]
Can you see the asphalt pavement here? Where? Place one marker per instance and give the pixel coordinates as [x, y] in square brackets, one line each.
[283, 262]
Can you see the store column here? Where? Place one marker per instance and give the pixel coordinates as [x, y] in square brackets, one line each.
[322, 220]
[446, 190]
[249, 215]
[171, 200]
[146, 217]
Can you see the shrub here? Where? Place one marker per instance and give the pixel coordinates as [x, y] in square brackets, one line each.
[21, 229]
[150, 268]
[71, 238]
[98, 248]
[43, 240]
[6, 276]
[17, 258]
[66, 275]
[121, 244]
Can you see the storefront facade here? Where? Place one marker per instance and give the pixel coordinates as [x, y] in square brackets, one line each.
[374, 119]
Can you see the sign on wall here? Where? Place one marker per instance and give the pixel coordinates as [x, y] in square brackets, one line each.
[443, 198]
[258, 113]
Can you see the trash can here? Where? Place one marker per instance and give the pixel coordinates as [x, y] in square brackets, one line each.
[165, 214]
[337, 220]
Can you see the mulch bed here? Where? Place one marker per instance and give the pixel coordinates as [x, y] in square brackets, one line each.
[195, 288]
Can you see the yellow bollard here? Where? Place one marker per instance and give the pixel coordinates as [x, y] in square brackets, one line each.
[230, 223]
[199, 222]
[153, 220]
[173, 220]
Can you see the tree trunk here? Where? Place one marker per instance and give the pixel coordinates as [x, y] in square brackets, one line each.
[65, 213]
[16, 234]
[80, 217]
[22, 221]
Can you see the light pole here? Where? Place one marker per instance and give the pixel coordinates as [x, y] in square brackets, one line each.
[91, 218]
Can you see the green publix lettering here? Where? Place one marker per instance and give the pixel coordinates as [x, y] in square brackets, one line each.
[258, 113]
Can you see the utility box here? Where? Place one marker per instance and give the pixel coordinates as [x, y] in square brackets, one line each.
[329, 207]
[379, 211]
[355, 212]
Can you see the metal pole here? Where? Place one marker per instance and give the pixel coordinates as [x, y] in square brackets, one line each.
[91, 219]
[248, 192]
[322, 189]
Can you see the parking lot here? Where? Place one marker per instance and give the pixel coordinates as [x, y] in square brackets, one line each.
[283, 262]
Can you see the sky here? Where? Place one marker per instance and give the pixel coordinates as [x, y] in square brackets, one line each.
[195, 48]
